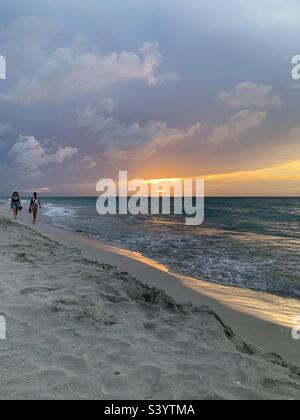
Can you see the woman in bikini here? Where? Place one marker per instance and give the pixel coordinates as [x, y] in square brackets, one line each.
[16, 204]
[35, 204]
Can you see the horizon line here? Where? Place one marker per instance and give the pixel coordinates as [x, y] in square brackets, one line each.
[207, 196]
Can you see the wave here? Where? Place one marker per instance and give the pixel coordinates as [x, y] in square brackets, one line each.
[260, 252]
[53, 211]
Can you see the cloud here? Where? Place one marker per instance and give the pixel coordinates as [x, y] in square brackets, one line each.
[107, 105]
[39, 190]
[254, 100]
[30, 156]
[160, 136]
[66, 73]
[236, 126]
[88, 162]
[131, 141]
[4, 128]
[26, 43]
[134, 141]
[251, 95]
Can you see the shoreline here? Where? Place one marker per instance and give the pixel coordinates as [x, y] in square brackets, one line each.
[257, 321]
[82, 329]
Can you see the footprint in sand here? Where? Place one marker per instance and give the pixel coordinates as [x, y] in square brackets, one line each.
[31, 290]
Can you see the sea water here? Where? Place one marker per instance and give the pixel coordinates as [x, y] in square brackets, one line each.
[253, 243]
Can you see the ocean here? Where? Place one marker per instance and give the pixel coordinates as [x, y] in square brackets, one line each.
[252, 243]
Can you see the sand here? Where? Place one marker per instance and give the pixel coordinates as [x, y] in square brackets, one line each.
[262, 319]
[78, 329]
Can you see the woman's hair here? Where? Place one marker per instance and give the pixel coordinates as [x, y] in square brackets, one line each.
[15, 193]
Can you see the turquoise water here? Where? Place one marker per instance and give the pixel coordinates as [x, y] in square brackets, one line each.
[252, 243]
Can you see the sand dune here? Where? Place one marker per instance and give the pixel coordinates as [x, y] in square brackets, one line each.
[77, 329]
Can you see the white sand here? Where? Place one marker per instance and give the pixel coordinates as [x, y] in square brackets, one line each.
[80, 329]
[262, 319]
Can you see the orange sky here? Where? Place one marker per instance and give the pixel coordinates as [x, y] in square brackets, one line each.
[279, 180]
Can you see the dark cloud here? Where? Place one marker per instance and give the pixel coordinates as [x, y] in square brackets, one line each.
[122, 81]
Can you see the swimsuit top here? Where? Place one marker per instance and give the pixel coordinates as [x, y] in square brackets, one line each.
[35, 201]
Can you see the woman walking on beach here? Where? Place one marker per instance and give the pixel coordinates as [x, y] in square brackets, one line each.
[35, 204]
[16, 204]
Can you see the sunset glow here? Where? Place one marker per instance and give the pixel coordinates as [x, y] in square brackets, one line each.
[79, 105]
[150, 202]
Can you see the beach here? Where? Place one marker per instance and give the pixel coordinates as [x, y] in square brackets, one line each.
[81, 329]
[149, 202]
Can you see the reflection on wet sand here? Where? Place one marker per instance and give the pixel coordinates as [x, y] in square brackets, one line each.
[266, 306]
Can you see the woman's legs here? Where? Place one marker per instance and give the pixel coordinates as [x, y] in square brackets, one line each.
[15, 210]
[34, 215]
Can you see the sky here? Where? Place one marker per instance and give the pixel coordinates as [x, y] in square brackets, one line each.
[160, 88]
